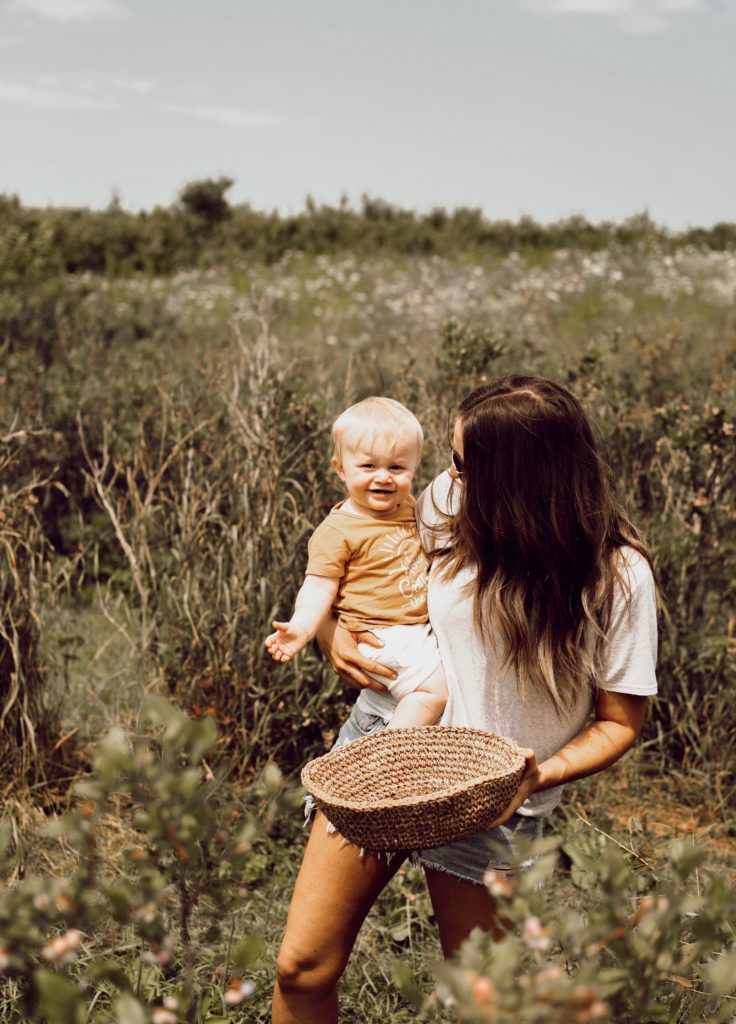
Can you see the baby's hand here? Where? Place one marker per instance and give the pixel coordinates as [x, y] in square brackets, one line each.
[287, 641]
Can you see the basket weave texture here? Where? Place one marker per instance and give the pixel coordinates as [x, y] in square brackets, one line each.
[416, 788]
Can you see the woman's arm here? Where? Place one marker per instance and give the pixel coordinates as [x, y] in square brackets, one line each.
[340, 647]
[618, 718]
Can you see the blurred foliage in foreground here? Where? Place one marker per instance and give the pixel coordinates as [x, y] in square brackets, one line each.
[157, 938]
[646, 947]
[174, 894]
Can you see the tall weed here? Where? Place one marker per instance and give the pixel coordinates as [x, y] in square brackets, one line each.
[28, 722]
[190, 458]
[212, 522]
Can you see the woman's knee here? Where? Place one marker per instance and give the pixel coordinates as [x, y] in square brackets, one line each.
[300, 973]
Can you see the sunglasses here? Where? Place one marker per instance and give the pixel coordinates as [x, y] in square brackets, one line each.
[457, 462]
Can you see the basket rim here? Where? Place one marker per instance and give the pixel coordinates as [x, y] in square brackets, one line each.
[425, 799]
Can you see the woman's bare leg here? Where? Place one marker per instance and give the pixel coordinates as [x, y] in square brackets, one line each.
[334, 891]
[460, 906]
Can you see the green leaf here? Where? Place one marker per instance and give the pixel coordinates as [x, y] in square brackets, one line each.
[203, 735]
[119, 900]
[248, 950]
[255, 867]
[161, 711]
[685, 857]
[400, 931]
[89, 791]
[273, 780]
[59, 1000]
[403, 978]
[721, 974]
[129, 1011]
[112, 757]
[581, 858]
[613, 980]
[107, 970]
[657, 1013]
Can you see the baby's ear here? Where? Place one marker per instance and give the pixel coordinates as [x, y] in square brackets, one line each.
[337, 466]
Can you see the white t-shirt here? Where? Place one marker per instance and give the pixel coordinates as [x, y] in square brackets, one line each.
[484, 695]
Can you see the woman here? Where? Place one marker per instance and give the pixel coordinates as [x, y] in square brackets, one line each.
[543, 601]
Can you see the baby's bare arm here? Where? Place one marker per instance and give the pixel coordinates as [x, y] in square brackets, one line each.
[313, 603]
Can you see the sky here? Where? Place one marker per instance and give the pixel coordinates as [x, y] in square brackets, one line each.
[546, 108]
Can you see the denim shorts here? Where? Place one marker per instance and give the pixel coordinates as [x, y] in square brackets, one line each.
[468, 858]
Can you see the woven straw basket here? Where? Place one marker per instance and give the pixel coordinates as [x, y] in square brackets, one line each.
[416, 788]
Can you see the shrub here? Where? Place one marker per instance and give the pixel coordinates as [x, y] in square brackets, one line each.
[646, 945]
[158, 941]
[213, 528]
[201, 229]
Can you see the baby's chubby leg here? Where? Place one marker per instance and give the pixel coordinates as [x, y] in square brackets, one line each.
[424, 705]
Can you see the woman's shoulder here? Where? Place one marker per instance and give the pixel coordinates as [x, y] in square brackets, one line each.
[635, 590]
[631, 642]
[436, 502]
[634, 569]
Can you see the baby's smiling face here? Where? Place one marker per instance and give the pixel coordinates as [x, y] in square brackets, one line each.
[377, 475]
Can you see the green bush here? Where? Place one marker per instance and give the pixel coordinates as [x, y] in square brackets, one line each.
[178, 432]
[645, 946]
[158, 938]
[202, 229]
[158, 929]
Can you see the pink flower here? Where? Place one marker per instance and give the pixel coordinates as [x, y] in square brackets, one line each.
[499, 885]
[145, 913]
[549, 975]
[238, 991]
[598, 1010]
[484, 991]
[61, 948]
[161, 1015]
[535, 935]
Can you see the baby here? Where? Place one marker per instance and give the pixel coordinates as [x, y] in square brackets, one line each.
[366, 561]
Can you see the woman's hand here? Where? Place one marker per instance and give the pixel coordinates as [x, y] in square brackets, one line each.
[340, 647]
[529, 784]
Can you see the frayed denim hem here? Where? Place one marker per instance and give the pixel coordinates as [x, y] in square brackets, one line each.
[427, 865]
[310, 806]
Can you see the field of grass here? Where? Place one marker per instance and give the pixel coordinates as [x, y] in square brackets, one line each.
[164, 457]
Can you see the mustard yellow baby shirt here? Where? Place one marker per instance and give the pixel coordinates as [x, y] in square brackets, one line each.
[381, 565]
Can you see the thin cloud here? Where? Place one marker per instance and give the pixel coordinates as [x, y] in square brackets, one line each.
[48, 96]
[139, 85]
[227, 115]
[639, 17]
[71, 10]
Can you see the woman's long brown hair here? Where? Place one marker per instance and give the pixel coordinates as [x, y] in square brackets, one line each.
[539, 521]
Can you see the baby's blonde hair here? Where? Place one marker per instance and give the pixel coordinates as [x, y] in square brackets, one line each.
[376, 418]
